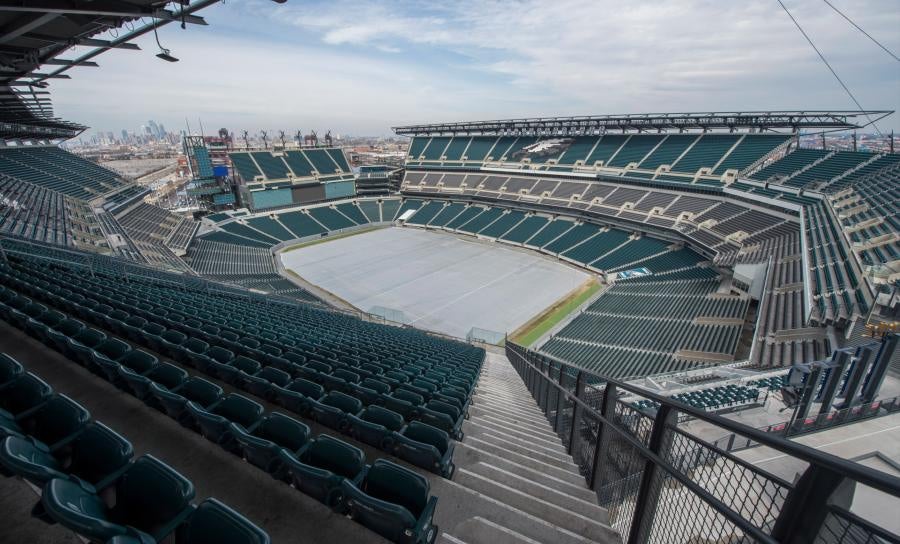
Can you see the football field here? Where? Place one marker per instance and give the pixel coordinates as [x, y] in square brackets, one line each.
[440, 281]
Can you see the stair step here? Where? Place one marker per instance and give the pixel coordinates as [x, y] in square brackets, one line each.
[539, 426]
[535, 417]
[444, 538]
[521, 457]
[473, 428]
[530, 411]
[548, 440]
[498, 419]
[482, 531]
[472, 503]
[466, 453]
[562, 460]
[552, 513]
[539, 491]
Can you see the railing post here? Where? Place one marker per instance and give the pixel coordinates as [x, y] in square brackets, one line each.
[806, 506]
[648, 493]
[576, 414]
[560, 398]
[607, 410]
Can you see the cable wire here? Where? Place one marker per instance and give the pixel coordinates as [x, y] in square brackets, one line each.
[849, 20]
[824, 60]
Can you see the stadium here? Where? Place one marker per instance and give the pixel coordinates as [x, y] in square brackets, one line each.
[663, 327]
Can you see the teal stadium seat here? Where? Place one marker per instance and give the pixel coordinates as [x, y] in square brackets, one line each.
[213, 522]
[83, 343]
[261, 383]
[394, 502]
[104, 358]
[334, 408]
[275, 432]
[10, 369]
[58, 337]
[165, 374]
[322, 465]
[20, 396]
[425, 446]
[215, 421]
[375, 426]
[97, 456]
[55, 422]
[299, 395]
[174, 402]
[152, 499]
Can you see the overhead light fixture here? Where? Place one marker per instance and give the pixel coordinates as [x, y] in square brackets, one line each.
[164, 53]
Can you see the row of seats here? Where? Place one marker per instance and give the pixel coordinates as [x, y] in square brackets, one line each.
[401, 422]
[60, 171]
[386, 497]
[417, 392]
[291, 163]
[50, 440]
[686, 153]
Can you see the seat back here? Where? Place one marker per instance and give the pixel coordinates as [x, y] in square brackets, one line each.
[307, 388]
[98, 452]
[377, 385]
[422, 432]
[151, 494]
[174, 337]
[168, 375]
[343, 402]
[195, 345]
[219, 354]
[213, 522]
[113, 349]
[9, 368]
[274, 375]
[346, 375]
[382, 416]
[246, 364]
[59, 418]
[414, 398]
[334, 455]
[285, 431]
[24, 393]
[239, 409]
[201, 391]
[392, 483]
[139, 360]
[90, 337]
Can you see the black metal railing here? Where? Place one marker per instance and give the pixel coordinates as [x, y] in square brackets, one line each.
[661, 482]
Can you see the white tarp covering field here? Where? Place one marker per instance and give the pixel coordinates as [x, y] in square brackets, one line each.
[440, 281]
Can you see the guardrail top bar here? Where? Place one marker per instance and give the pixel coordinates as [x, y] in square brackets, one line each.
[593, 124]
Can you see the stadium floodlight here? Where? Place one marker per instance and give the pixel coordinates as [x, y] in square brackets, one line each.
[164, 53]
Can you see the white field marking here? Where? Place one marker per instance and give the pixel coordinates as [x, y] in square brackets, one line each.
[821, 446]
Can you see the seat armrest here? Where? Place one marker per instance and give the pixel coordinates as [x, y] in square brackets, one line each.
[426, 516]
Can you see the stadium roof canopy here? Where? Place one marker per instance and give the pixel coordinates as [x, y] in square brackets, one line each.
[758, 121]
[35, 35]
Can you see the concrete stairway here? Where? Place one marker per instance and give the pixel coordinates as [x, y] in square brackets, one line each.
[514, 482]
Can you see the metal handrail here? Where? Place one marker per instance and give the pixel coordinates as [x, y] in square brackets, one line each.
[778, 511]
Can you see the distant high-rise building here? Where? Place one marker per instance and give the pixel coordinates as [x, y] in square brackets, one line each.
[162, 131]
[124, 136]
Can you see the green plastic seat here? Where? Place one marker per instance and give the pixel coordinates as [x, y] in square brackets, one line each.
[152, 499]
[298, 395]
[275, 432]
[260, 383]
[58, 336]
[21, 395]
[215, 421]
[83, 343]
[425, 446]
[105, 357]
[97, 456]
[55, 422]
[322, 465]
[332, 410]
[165, 374]
[174, 402]
[137, 361]
[171, 341]
[375, 426]
[230, 372]
[190, 349]
[10, 369]
[213, 522]
[133, 327]
[394, 502]
[40, 326]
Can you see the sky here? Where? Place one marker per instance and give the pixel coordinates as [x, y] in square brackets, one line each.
[361, 67]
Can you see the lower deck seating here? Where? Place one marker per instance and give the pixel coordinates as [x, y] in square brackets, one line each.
[51, 442]
[350, 363]
[321, 467]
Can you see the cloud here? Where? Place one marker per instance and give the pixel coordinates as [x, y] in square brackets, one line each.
[362, 66]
